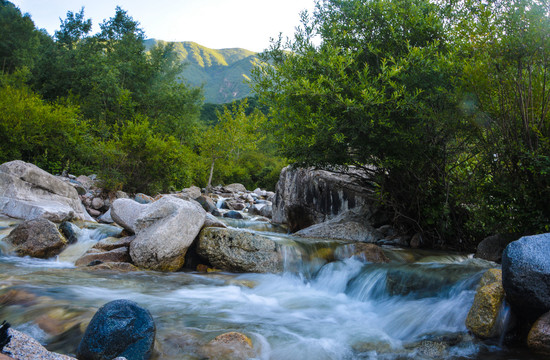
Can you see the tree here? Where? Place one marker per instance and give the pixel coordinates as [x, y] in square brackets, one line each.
[377, 94]
[234, 133]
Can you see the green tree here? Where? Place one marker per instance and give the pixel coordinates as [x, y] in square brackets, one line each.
[376, 93]
[234, 134]
[506, 75]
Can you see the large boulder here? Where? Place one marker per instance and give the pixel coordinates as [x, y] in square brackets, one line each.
[538, 339]
[491, 248]
[343, 227]
[28, 192]
[483, 316]
[125, 213]
[164, 232]
[37, 238]
[239, 251]
[120, 328]
[305, 197]
[234, 188]
[526, 274]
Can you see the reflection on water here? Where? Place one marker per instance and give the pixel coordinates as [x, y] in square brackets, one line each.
[319, 308]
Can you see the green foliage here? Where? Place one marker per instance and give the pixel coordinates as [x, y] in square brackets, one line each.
[140, 160]
[506, 73]
[234, 134]
[50, 136]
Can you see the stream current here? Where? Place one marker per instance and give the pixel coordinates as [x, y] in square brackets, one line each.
[325, 305]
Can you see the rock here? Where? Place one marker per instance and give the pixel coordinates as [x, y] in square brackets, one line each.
[121, 195]
[93, 212]
[120, 328]
[164, 232]
[17, 297]
[125, 213]
[343, 227]
[216, 212]
[526, 274]
[305, 197]
[206, 202]
[483, 316]
[71, 231]
[491, 248]
[192, 192]
[212, 221]
[86, 181]
[112, 243]
[267, 211]
[255, 209]
[106, 218]
[239, 251]
[119, 254]
[229, 346]
[28, 192]
[235, 205]
[97, 203]
[37, 238]
[416, 241]
[538, 339]
[369, 252]
[23, 347]
[260, 192]
[113, 266]
[234, 188]
[143, 199]
[232, 214]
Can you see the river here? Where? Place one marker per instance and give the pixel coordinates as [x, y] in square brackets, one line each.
[325, 305]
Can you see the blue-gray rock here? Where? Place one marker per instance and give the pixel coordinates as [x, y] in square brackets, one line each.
[232, 214]
[526, 274]
[119, 328]
[71, 231]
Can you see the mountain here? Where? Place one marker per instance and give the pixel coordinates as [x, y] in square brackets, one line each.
[222, 72]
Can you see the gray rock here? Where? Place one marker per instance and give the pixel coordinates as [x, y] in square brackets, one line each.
[538, 339]
[491, 247]
[86, 181]
[266, 211]
[119, 254]
[125, 213]
[206, 202]
[106, 218]
[342, 228]
[111, 243]
[164, 232]
[232, 214]
[239, 251]
[192, 192]
[212, 221]
[526, 274]
[306, 197]
[234, 188]
[28, 192]
[24, 347]
[143, 199]
[37, 238]
[97, 203]
[121, 195]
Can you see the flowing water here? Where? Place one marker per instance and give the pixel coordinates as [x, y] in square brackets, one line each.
[327, 304]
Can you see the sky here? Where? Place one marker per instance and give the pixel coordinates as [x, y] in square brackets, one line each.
[216, 24]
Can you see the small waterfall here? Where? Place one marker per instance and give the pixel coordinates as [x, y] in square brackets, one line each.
[87, 238]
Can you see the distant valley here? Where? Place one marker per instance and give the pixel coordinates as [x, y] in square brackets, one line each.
[222, 73]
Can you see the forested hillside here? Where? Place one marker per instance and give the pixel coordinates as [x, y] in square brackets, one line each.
[104, 103]
[223, 73]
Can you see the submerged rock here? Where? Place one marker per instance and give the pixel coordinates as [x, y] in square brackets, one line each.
[164, 232]
[28, 192]
[239, 251]
[526, 274]
[120, 328]
[229, 346]
[483, 316]
[37, 238]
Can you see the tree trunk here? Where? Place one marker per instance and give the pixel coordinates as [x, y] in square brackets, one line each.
[209, 185]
